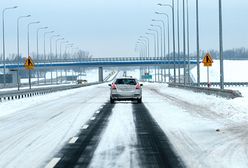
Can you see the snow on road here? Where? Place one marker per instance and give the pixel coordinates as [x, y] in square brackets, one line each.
[34, 129]
[117, 147]
[190, 120]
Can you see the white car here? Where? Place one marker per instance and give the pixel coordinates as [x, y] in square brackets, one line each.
[125, 88]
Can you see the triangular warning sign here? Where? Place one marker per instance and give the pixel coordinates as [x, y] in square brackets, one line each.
[207, 60]
[29, 64]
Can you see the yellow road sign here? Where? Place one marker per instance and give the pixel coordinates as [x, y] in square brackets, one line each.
[29, 64]
[207, 60]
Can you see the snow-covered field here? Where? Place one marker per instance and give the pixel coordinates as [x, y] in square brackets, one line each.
[234, 71]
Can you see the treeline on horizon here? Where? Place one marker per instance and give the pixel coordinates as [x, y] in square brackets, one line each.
[231, 54]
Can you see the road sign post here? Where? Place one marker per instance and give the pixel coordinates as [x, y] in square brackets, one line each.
[207, 61]
[29, 65]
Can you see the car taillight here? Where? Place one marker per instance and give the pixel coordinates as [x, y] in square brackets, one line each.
[113, 86]
[138, 86]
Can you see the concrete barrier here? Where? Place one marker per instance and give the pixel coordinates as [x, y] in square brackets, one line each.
[226, 93]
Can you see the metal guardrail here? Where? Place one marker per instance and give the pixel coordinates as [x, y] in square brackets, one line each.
[11, 95]
[226, 93]
[227, 84]
[101, 60]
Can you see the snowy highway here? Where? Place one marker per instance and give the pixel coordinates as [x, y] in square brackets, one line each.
[200, 130]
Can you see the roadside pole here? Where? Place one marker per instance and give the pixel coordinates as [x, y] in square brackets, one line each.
[208, 61]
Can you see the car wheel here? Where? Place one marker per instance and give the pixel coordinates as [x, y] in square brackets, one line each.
[139, 100]
[112, 100]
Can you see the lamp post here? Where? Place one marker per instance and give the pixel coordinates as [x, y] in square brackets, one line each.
[18, 48]
[197, 43]
[142, 51]
[187, 4]
[29, 72]
[148, 50]
[168, 34]
[163, 26]
[184, 44]
[37, 50]
[155, 50]
[221, 47]
[143, 48]
[56, 45]
[144, 42]
[157, 37]
[60, 55]
[172, 6]
[161, 52]
[66, 47]
[45, 58]
[51, 38]
[178, 41]
[148, 44]
[4, 63]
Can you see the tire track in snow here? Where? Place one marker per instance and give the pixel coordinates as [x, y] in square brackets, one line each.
[154, 147]
[80, 153]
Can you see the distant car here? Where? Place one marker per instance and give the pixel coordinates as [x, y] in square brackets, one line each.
[126, 88]
[81, 81]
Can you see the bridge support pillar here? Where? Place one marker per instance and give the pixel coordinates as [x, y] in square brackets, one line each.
[100, 74]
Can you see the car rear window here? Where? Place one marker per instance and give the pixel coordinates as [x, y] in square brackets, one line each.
[125, 82]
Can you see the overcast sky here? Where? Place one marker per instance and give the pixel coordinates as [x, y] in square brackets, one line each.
[110, 28]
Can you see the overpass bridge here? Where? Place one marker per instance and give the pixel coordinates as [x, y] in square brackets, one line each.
[103, 62]
[100, 63]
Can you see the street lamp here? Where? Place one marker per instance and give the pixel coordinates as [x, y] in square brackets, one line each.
[197, 43]
[161, 21]
[157, 37]
[18, 49]
[184, 44]
[188, 54]
[45, 58]
[60, 55]
[4, 63]
[37, 47]
[161, 48]
[161, 33]
[148, 47]
[51, 56]
[29, 72]
[221, 47]
[66, 47]
[155, 50]
[172, 6]
[56, 45]
[168, 34]
[144, 44]
[143, 53]
[163, 26]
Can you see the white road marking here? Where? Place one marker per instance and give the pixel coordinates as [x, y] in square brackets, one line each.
[93, 118]
[73, 140]
[53, 163]
[85, 126]
[97, 112]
